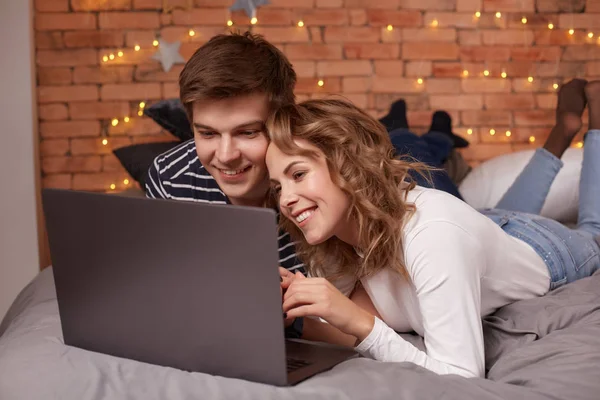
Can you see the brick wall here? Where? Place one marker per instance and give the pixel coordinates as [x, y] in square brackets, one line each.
[371, 51]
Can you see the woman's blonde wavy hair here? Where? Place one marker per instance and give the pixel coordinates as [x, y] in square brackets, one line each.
[361, 161]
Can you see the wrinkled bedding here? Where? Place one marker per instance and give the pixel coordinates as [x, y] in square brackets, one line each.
[545, 348]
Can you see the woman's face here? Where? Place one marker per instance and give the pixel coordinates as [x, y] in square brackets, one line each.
[308, 196]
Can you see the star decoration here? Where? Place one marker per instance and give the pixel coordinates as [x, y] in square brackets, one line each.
[249, 6]
[168, 54]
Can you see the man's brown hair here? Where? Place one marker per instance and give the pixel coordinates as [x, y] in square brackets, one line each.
[236, 64]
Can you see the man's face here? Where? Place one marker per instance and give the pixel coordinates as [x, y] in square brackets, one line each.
[231, 143]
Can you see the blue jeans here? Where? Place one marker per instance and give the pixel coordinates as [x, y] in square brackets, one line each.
[570, 254]
[432, 149]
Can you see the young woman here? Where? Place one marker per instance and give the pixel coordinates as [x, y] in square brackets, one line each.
[387, 256]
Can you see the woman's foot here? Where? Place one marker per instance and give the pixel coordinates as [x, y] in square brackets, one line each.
[592, 93]
[571, 103]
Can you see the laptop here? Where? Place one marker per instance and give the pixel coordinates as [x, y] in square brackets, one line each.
[185, 285]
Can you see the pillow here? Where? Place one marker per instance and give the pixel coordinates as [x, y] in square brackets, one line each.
[137, 158]
[486, 184]
[171, 115]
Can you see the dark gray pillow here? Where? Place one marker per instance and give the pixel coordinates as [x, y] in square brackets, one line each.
[171, 115]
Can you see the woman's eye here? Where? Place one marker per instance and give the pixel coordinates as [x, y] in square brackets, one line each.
[298, 175]
[277, 189]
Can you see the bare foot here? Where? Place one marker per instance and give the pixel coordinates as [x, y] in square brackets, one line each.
[571, 103]
[592, 93]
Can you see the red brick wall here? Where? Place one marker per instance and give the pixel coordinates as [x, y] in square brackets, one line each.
[345, 43]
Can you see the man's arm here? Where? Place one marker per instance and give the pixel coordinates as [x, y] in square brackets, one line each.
[154, 188]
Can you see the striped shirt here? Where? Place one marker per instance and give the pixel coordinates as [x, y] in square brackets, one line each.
[178, 174]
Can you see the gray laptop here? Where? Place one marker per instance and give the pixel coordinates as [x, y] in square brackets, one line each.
[185, 285]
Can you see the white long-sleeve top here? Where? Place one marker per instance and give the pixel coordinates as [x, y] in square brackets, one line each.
[462, 267]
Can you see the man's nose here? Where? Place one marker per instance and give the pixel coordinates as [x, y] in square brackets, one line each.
[227, 150]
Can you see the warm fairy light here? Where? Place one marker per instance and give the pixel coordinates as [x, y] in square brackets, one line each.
[477, 14]
[465, 73]
[126, 119]
[571, 32]
[137, 47]
[115, 122]
[555, 86]
[550, 25]
[508, 133]
[321, 83]
[300, 24]
[230, 23]
[105, 58]
[469, 131]
[523, 20]
[420, 81]
[191, 32]
[503, 74]
[591, 35]
[155, 43]
[104, 142]
[492, 132]
[531, 139]
[498, 14]
[579, 145]
[126, 181]
[254, 20]
[140, 113]
[390, 28]
[142, 104]
[486, 73]
[113, 186]
[434, 23]
[530, 79]
[120, 54]
[111, 56]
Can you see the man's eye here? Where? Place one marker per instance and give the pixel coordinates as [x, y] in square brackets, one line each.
[249, 133]
[206, 133]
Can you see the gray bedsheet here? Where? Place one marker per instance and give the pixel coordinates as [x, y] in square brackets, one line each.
[546, 348]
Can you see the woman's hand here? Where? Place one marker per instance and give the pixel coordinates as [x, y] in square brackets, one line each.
[317, 297]
[286, 279]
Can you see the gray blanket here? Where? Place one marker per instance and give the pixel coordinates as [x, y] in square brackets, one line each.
[546, 348]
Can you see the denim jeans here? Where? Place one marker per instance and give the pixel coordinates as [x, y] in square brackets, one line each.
[570, 254]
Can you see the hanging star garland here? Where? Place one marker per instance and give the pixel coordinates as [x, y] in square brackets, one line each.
[168, 54]
[249, 6]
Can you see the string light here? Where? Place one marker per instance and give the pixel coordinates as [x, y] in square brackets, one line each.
[113, 186]
[508, 133]
[390, 28]
[555, 86]
[571, 32]
[492, 132]
[105, 58]
[300, 24]
[191, 33]
[254, 20]
[140, 113]
[531, 139]
[120, 54]
[579, 145]
[114, 122]
[503, 74]
[111, 57]
[126, 119]
[498, 14]
[104, 142]
[126, 181]
[523, 20]
[137, 47]
[230, 23]
[142, 104]
[477, 14]
[550, 25]
[420, 81]
[155, 43]
[465, 73]
[591, 35]
[486, 73]
[530, 79]
[321, 83]
[469, 131]
[434, 23]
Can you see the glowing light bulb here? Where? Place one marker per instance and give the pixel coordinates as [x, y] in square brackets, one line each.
[390, 28]
[142, 104]
[523, 20]
[113, 186]
[465, 73]
[111, 56]
[120, 54]
[591, 35]
[115, 122]
[498, 14]
[492, 132]
[571, 32]
[503, 74]
[155, 43]
[126, 119]
[140, 113]
[579, 145]
[137, 47]
[555, 86]
[300, 24]
[469, 131]
[530, 79]
[126, 181]
[550, 25]
[320, 83]
[104, 142]
[508, 133]
[420, 81]
[477, 14]
[191, 32]
[486, 73]
[434, 23]
[230, 23]
[531, 139]
[254, 20]
[105, 58]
